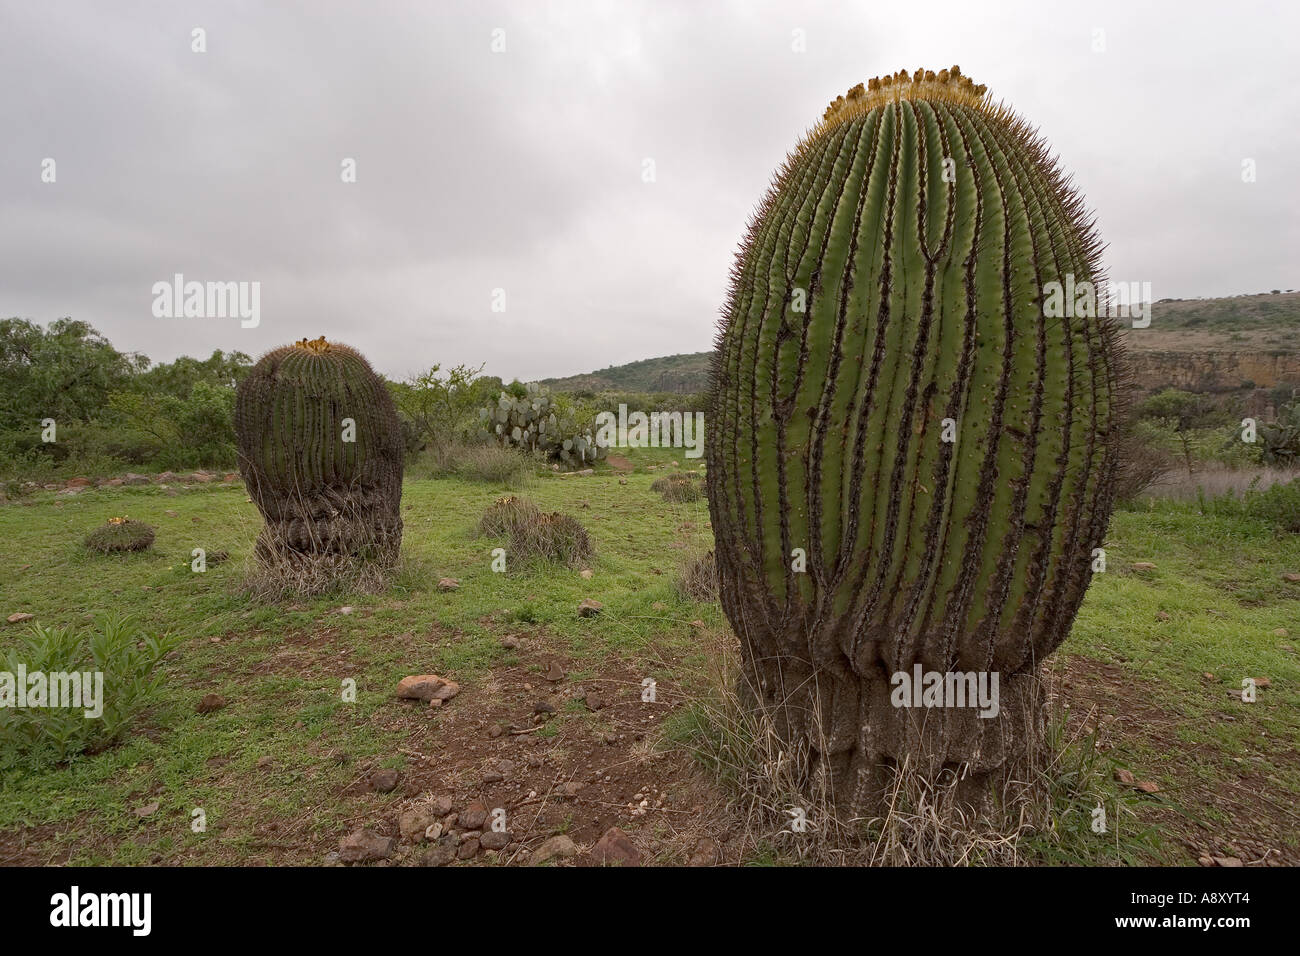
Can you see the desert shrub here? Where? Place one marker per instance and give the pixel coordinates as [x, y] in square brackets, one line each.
[1142, 462]
[115, 648]
[550, 537]
[1278, 506]
[120, 534]
[475, 461]
[679, 487]
[505, 514]
[698, 580]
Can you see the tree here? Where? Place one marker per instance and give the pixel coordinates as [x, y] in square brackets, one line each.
[441, 409]
[1183, 413]
[65, 372]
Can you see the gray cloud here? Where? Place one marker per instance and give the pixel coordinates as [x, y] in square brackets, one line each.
[523, 170]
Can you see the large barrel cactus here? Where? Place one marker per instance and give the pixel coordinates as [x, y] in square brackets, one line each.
[910, 458]
[320, 449]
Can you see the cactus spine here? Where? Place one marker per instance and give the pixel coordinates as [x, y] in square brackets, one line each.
[889, 396]
[320, 449]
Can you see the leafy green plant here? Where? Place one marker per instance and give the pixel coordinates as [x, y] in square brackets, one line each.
[116, 648]
[1278, 506]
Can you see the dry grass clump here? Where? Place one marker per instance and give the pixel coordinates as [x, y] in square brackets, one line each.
[281, 575]
[120, 534]
[698, 579]
[550, 537]
[505, 514]
[679, 487]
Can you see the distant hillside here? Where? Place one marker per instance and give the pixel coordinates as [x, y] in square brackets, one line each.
[1201, 344]
[672, 373]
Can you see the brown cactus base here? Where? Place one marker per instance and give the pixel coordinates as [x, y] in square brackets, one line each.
[853, 742]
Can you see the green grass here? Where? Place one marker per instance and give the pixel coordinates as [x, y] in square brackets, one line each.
[281, 667]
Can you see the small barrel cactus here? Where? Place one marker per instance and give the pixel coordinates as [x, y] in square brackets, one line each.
[121, 534]
[320, 449]
[910, 457]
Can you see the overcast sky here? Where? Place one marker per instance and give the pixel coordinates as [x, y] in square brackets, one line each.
[524, 170]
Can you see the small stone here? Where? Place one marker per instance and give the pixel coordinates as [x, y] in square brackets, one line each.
[148, 810]
[364, 846]
[586, 574]
[467, 849]
[492, 776]
[1142, 566]
[414, 823]
[433, 831]
[1124, 776]
[594, 701]
[705, 853]
[1263, 682]
[492, 840]
[442, 852]
[615, 848]
[441, 805]
[384, 781]
[543, 707]
[1292, 577]
[332, 858]
[264, 762]
[475, 816]
[1148, 786]
[448, 584]
[1230, 861]
[589, 608]
[1205, 861]
[346, 609]
[495, 731]
[555, 672]
[569, 789]
[19, 617]
[209, 703]
[556, 848]
[510, 641]
[426, 687]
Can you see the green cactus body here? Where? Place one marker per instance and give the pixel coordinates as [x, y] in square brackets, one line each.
[326, 486]
[889, 397]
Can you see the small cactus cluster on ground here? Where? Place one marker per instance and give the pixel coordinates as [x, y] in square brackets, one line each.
[120, 534]
[534, 423]
[679, 487]
[534, 534]
[505, 514]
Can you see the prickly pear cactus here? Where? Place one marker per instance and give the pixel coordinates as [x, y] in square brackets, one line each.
[320, 450]
[908, 462]
[535, 423]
